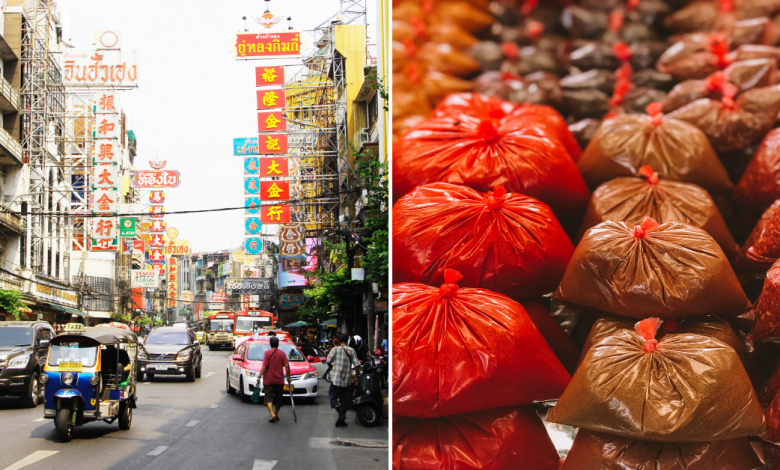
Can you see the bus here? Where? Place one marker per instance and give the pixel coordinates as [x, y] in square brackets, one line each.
[248, 320]
[218, 330]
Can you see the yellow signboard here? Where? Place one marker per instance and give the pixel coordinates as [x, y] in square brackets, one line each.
[177, 247]
[70, 367]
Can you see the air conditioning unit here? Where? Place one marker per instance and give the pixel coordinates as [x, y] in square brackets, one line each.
[364, 134]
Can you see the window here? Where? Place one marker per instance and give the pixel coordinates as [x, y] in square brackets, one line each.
[257, 350]
[167, 337]
[13, 337]
[73, 351]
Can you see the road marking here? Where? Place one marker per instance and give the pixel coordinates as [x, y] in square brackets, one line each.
[39, 419]
[158, 450]
[32, 458]
[146, 383]
[192, 424]
[214, 405]
[264, 464]
[209, 374]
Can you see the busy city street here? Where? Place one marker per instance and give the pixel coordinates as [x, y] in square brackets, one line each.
[196, 426]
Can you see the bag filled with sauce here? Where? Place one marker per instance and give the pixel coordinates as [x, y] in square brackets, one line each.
[767, 309]
[759, 185]
[504, 242]
[630, 200]
[496, 439]
[683, 387]
[519, 150]
[560, 342]
[671, 270]
[762, 247]
[599, 451]
[695, 56]
[733, 124]
[461, 350]
[674, 149]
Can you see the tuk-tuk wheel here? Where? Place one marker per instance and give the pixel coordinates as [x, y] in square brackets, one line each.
[368, 416]
[62, 423]
[125, 416]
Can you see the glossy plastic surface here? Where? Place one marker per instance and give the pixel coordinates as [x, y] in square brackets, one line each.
[767, 310]
[762, 247]
[508, 243]
[760, 183]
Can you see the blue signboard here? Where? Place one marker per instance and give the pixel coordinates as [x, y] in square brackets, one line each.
[246, 146]
[253, 246]
[253, 226]
[251, 165]
[252, 185]
[252, 205]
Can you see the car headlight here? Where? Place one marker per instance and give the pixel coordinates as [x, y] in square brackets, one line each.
[94, 380]
[44, 378]
[19, 362]
[183, 356]
[310, 375]
[252, 373]
[67, 378]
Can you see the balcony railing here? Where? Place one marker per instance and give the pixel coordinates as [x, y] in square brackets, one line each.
[9, 98]
[10, 219]
[10, 284]
[10, 147]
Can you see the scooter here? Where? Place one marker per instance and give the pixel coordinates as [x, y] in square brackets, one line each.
[369, 402]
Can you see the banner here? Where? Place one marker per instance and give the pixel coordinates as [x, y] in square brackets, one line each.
[146, 278]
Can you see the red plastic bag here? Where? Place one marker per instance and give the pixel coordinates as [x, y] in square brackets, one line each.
[649, 270]
[600, 451]
[760, 183]
[496, 439]
[556, 337]
[675, 149]
[507, 243]
[461, 350]
[468, 149]
[630, 200]
[733, 124]
[762, 247]
[767, 309]
[682, 388]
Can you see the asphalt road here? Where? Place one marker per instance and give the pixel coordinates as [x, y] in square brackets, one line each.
[180, 425]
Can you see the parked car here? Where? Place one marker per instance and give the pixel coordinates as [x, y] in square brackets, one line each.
[23, 349]
[170, 351]
[244, 366]
[316, 358]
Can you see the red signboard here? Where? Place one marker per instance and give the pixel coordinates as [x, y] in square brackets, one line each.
[276, 214]
[156, 254]
[138, 245]
[273, 166]
[270, 98]
[157, 211]
[271, 121]
[270, 75]
[274, 190]
[273, 143]
[157, 197]
[157, 179]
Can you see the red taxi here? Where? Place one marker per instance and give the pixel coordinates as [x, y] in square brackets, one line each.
[244, 366]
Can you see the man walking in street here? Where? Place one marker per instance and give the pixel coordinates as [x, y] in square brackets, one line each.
[343, 377]
[274, 364]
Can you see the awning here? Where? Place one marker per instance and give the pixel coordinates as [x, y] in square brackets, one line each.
[297, 324]
[72, 311]
[99, 315]
[330, 322]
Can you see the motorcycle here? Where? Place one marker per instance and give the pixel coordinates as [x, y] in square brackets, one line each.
[369, 402]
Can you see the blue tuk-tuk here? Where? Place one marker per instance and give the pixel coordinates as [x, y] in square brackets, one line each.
[90, 376]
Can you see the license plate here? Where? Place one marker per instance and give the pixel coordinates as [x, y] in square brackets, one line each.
[287, 388]
[70, 367]
[161, 367]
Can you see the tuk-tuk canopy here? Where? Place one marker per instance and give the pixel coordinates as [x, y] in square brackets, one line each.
[103, 335]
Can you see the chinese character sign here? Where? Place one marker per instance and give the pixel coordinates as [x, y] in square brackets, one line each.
[104, 202]
[105, 228]
[157, 240]
[272, 121]
[157, 197]
[252, 205]
[105, 177]
[157, 211]
[157, 226]
[106, 151]
[251, 185]
[251, 166]
[273, 143]
[253, 226]
[266, 76]
[270, 98]
[107, 126]
[278, 214]
[173, 274]
[253, 246]
[274, 166]
[274, 190]
[105, 103]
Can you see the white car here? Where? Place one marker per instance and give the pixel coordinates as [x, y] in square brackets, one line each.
[244, 366]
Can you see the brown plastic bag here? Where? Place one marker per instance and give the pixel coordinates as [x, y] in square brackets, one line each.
[760, 183]
[675, 149]
[694, 56]
[669, 271]
[630, 200]
[709, 325]
[733, 124]
[684, 387]
[767, 310]
[600, 451]
[762, 247]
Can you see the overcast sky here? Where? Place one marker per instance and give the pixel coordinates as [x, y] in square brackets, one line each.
[193, 97]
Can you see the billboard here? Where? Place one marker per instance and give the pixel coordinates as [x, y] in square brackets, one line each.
[293, 269]
[103, 68]
[144, 278]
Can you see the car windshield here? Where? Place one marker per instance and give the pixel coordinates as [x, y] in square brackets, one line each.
[256, 351]
[310, 351]
[167, 337]
[247, 324]
[221, 325]
[73, 351]
[12, 337]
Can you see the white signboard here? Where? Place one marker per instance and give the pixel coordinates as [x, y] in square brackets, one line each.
[103, 68]
[104, 201]
[144, 278]
[106, 102]
[105, 228]
[106, 151]
[105, 176]
[107, 126]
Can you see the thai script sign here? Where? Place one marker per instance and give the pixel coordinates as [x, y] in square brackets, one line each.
[103, 68]
[249, 285]
[145, 278]
[177, 247]
[266, 45]
[246, 146]
[58, 295]
[273, 75]
[156, 179]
